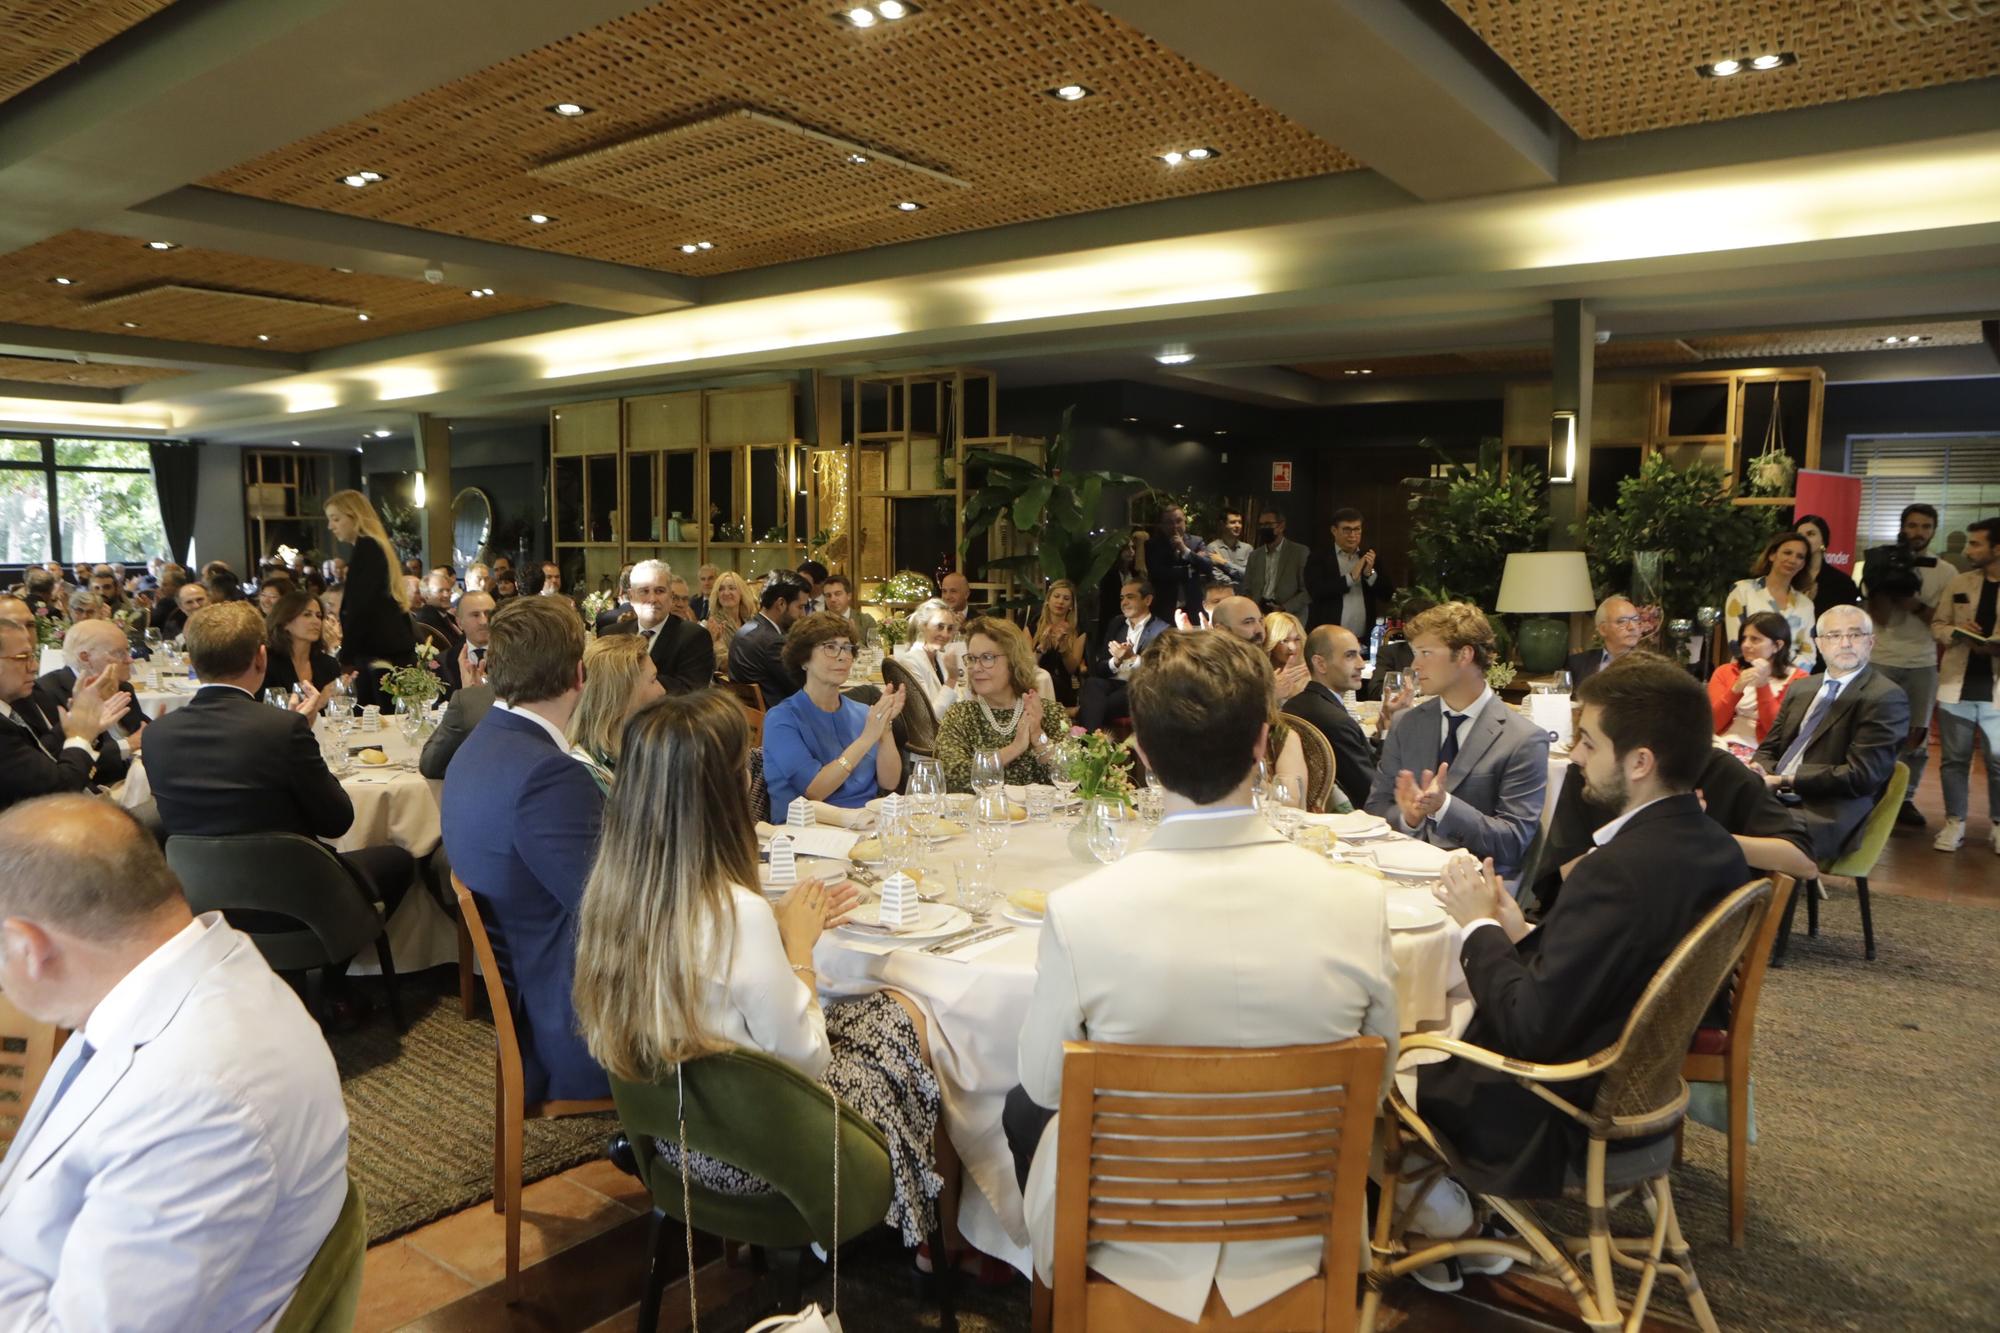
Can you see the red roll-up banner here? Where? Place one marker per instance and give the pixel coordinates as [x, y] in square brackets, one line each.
[1835, 497]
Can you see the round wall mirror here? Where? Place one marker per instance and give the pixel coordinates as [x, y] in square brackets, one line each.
[471, 525]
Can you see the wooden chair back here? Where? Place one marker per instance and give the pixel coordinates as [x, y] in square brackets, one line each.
[751, 695]
[1187, 1144]
[1748, 983]
[1320, 762]
[27, 1048]
[916, 727]
[511, 1107]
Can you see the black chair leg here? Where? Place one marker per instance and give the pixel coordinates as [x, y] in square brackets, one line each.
[387, 962]
[1867, 918]
[944, 1282]
[1812, 908]
[789, 1268]
[1785, 927]
[316, 993]
[668, 1261]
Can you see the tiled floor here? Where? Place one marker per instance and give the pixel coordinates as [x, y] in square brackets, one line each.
[583, 1231]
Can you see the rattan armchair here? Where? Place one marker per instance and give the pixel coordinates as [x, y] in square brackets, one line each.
[1640, 1101]
[1320, 763]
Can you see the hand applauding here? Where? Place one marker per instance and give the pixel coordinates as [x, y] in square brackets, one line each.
[1419, 799]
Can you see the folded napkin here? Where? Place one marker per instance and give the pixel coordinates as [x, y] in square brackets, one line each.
[841, 817]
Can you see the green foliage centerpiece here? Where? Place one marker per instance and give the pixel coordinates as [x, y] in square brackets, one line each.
[415, 687]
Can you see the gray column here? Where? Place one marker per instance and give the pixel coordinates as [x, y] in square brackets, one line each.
[1575, 346]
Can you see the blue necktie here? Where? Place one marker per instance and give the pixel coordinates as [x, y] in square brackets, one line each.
[1449, 750]
[1815, 718]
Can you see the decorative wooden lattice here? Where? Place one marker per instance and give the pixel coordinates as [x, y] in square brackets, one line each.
[89, 375]
[43, 37]
[1612, 67]
[961, 87]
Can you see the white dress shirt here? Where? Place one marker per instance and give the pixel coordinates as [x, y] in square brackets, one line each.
[195, 1161]
[1471, 716]
[1135, 634]
[555, 732]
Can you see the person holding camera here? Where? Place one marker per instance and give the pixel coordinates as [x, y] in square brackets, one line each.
[1904, 585]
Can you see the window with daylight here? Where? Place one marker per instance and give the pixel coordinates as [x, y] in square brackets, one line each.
[1957, 475]
[71, 500]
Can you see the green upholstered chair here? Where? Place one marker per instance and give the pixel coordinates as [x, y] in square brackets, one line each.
[1857, 862]
[330, 1292]
[760, 1114]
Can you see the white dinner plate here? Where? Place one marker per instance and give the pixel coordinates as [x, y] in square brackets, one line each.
[810, 867]
[1355, 826]
[1413, 909]
[934, 921]
[1020, 918]
[1408, 859]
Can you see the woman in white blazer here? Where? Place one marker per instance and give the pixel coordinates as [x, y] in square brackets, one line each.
[932, 657]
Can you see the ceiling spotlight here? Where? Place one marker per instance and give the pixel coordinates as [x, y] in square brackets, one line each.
[338, 269]
[891, 9]
[477, 292]
[1892, 339]
[860, 16]
[1172, 159]
[162, 245]
[1174, 358]
[1178, 426]
[705, 245]
[1131, 418]
[866, 16]
[540, 219]
[1367, 372]
[383, 434]
[1767, 62]
[1222, 432]
[263, 337]
[1200, 154]
[857, 159]
[1722, 69]
[1350, 372]
[63, 282]
[362, 316]
[906, 206]
[362, 179]
[1070, 92]
[127, 324]
[570, 110]
[1770, 60]
[295, 444]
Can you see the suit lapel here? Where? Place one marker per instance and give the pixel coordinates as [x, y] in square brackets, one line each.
[1486, 729]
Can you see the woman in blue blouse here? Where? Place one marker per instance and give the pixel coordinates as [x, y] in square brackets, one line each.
[819, 744]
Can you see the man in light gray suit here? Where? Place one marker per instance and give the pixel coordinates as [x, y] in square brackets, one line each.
[1276, 574]
[1461, 769]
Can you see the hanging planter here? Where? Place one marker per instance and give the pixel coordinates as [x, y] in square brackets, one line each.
[1771, 471]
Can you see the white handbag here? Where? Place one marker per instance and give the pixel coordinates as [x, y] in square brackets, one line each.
[809, 1320]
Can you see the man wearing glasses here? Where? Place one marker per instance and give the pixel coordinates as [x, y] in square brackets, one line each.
[1833, 748]
[34, 763]
[1619, 625]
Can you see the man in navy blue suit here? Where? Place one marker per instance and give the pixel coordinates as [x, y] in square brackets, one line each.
[1116, 655]
[521, 820]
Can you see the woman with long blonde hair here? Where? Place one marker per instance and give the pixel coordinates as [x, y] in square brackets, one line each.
[619, 679]
[1058, 642]
[376, 633]
[730, 606]
[678, 955]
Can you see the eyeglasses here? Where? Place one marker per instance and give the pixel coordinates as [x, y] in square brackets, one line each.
[30, 656]
[834, 649]
[983, 659]
[1844, 635]
[1625, 622]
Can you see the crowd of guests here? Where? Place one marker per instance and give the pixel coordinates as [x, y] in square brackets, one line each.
[622, 890]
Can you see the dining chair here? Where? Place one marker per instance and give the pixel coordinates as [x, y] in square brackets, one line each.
[27, 1047]
[1640, 1100]
[511, 1107]
[751, 695]
[760, 791]
[761, 1115]
[916, 725]
[1722, 1055]
[1165, 1145]
[296, 900]
[329, 1294]
[1857, 861]
[1320, 762]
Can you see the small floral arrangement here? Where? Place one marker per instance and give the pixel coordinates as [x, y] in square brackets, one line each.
[1500, 675]
[415, 686]
[596, 605]
[1100, 767]
[893, 630]
[48, 632]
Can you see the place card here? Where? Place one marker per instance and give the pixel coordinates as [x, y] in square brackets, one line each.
[784, 862]
[800, 813]
[1550, 713]
[900, 904]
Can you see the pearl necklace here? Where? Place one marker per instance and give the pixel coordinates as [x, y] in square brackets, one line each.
[1013, 717]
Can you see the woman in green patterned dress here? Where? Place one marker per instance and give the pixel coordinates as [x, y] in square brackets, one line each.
[1005, 712]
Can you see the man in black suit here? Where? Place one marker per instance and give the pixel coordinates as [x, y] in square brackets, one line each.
[1109, 663]
[757, 653]
[473, 617]
[35, 758]
[170, 618]
[223, 763]
[93, 649]
[440, 586]
[1345, 586]
[1333, 662]
[1566, 989]
[683, 654]
[1176, 566]
[1833, 747]
[1620, 626]
[619, 613]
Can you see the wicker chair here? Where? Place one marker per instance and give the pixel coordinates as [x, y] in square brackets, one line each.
[751, 695]
[1640, 1096]
[1320, 763]
[916, 726]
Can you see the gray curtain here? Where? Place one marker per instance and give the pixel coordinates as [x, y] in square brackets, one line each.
[176, 468]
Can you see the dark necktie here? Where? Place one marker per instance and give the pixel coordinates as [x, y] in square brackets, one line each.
[29, 727]
[1449, 750]
[1815, 718]
[479, 655]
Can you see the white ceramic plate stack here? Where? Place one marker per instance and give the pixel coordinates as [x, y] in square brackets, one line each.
[934, 921]
[1355, 826]
[1405, 859]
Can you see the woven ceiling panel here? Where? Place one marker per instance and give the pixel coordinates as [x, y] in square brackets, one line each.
[37, 370]
[1612, 67]
[1823, 342]
[222, 299]
[41, 37]
[960, 87]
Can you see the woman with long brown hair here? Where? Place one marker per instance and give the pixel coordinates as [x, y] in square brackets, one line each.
[1058, 641]
[678, 955]
[376, 633]
[297, 642]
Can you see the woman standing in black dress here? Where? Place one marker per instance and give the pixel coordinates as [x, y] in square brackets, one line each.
[375, 630]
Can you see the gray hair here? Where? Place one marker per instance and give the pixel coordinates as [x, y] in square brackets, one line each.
[91, 636]
[1867, 621]
[1604, 607]
[928, 614]
[84, 602]
[82, 865]
[647, 571]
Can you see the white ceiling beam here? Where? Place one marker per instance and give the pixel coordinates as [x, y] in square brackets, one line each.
[117, 349]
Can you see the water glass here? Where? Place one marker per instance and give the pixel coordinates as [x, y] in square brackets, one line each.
[1041, 804]
[278, 698]
[1151, 803]
[1392, 684]
[1107, 832]
[988, 773]
[898, 843]
[990, 828]
[973, 880]
[1282, 805]
[926, 788]
[152, 638]
[1561, 682]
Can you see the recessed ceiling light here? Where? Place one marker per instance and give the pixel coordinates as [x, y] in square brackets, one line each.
[867, 15]
[857, 159]
[1070, 92]
[906, 206]
[1178, 426]
[362, 316]
[705, 245]
[477, 292]
[1770, 60]
[63, 282]
[1722, 69]
[338, 269]
[1131, 418]
[1200, 154]
[570, 110]
[540, 219]
[1172, 159]
[1892, 338]
[1367, 372]
[860, 16]
[263, 337]
[361, 179]
[383, 434]
[295, 444]
[892, 9]
[1174, 358]
[1767, 62]
[127, 324]
[162, 245]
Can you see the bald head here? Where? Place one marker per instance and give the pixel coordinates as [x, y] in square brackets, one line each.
[92, 645]
[1334, 658]
[15, 611]
[1240, 616]
[81, 866]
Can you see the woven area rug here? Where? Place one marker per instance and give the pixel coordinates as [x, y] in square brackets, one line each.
[420, 1112]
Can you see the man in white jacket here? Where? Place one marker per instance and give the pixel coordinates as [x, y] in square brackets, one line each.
[186, 1155]
[1219, 933]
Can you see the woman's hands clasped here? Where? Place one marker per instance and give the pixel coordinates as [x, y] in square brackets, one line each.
[810, 909]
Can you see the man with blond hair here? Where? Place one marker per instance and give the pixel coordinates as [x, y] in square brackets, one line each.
[1461, 769]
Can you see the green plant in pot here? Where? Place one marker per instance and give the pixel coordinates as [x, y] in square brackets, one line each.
[1679, 527]
[1466, 522]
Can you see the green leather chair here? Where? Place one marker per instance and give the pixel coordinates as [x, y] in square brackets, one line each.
[330, 1293]
[760, 1114]
[1856, 861]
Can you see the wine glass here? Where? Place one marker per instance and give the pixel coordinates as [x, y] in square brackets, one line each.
[152, 638]
[989, 775]
[1107, 832]
[990, 828]
[1560, 680]
[926, 790]
[1062, 776]
[1392, 684]
[1260, 784]
[1286, 798]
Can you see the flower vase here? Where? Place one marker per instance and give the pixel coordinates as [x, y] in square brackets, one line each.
[1094, 813]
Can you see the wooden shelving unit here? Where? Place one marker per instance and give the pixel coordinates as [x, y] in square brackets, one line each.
[284, 497]
[1726, 403]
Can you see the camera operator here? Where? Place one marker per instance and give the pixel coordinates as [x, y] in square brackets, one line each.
[1903, 585]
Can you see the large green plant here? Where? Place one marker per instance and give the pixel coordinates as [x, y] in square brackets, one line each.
[1053, 506]
[1465, 523]
[1706, 542]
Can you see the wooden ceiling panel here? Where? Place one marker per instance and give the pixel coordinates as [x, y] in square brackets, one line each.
[227, 300]
[42, 37]
[1826, 342]
[961, 87]
[1612, 67]
[89, 375]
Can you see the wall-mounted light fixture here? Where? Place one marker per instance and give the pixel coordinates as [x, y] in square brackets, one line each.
[1562, 446]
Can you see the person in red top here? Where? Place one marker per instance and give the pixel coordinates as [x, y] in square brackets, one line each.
[1744, 694]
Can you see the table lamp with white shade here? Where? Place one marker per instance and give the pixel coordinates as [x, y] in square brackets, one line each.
[1544, 585]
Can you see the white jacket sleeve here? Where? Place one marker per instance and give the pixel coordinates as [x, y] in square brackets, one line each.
[775, 1002]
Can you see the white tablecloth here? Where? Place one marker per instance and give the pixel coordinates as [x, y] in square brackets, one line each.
[974, 1009]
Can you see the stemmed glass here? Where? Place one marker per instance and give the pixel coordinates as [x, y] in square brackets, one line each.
[1282, 807]
[1260, 784]
[152, 638]
[926, 792]
[1560, 681]
[1107, 832]
[989, 775]
[1062, 776]
[990, 828]
[1392, 684]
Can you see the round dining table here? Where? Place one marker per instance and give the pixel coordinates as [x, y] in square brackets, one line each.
[975, 1000]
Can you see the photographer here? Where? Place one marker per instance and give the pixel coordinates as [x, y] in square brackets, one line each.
[1903, 585]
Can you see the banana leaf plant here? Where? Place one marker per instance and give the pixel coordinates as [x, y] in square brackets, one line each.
[1054, 506]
